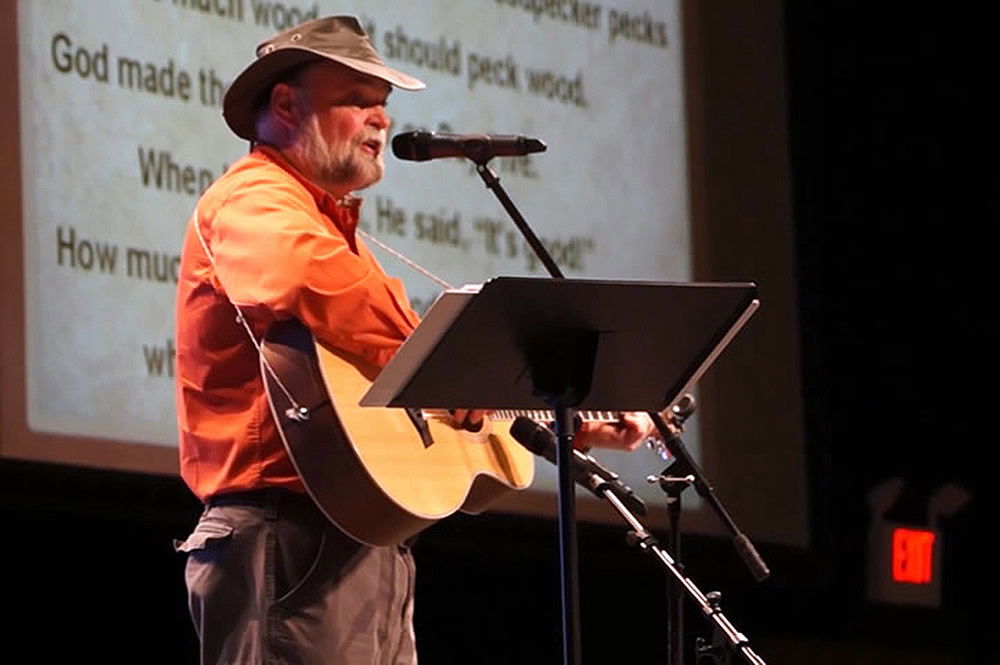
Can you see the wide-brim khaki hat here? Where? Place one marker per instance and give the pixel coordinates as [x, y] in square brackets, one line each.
[337, 38]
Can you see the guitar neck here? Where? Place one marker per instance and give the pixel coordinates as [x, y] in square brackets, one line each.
[654, 443]
[548, 416]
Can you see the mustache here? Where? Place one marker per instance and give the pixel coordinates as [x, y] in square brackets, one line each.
[377, 138]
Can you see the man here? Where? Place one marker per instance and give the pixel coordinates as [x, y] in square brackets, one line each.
[269, 578]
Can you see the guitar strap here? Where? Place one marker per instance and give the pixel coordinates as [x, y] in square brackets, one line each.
[295, 411]
[300, 413]
[413, 265]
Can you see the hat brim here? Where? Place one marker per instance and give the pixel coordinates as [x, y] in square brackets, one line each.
[239, 104]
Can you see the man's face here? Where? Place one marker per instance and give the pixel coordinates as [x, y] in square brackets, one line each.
[343, 135]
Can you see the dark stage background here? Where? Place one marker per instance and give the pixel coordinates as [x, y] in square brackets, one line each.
[888, 252]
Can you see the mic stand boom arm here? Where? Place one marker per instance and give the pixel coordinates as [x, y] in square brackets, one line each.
[685, 465]
[493, 183]
[709, 605]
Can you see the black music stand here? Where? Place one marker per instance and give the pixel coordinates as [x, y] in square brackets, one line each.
[565, 344]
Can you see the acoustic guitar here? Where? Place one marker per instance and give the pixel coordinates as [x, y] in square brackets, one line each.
[383, 474]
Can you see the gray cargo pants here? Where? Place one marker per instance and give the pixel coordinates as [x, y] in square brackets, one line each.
[272, 582]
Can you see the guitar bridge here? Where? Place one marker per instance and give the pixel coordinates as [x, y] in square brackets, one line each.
[420, 424]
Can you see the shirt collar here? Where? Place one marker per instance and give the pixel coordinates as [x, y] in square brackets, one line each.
[344, 211]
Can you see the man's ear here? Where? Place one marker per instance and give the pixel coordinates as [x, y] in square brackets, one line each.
[286, 107]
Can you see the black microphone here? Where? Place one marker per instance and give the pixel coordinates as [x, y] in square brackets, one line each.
[421, 146]
[585, 469]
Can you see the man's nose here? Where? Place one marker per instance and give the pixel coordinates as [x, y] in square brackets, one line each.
[379, 118]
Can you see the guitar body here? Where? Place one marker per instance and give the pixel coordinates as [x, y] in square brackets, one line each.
[369, 469]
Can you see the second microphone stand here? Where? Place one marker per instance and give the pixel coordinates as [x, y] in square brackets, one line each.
[682, 473]
[727, 636]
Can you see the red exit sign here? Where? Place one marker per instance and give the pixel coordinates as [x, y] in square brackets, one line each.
[904, 560]
[913, 555]
[904, 564]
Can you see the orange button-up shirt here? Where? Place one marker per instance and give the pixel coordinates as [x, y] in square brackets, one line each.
[283, 248]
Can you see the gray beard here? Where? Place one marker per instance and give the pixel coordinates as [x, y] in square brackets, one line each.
[329, 168]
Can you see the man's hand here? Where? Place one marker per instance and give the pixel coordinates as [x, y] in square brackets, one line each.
[469, 419]
[628, 433]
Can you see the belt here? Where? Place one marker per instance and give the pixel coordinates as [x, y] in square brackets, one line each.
[273, 497]
[266, 496]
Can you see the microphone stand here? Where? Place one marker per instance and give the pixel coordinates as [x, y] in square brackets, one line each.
[684, 472]
[709, 604]
[562, 395]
